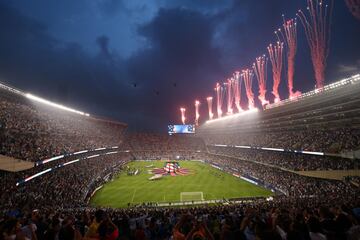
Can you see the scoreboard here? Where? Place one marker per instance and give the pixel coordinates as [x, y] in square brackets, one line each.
[176, 129]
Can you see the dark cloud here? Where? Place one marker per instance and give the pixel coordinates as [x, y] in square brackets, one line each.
[110, 7]
[33, 60]
[178, 51]
[103, 42]
[181, 61]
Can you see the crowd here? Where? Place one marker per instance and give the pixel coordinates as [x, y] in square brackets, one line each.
[63, 187]
[152, 146]
[163, 142]
[320, 140]
[282, 219]
[33, 132]
[54, 205]
[355, 180]
[285, 182]
[291, 161]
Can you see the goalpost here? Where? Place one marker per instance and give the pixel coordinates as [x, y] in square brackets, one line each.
[191, 196]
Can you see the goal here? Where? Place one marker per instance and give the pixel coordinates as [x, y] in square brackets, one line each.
[191, 196]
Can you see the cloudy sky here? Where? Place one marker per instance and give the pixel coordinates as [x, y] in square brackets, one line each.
[138, 61]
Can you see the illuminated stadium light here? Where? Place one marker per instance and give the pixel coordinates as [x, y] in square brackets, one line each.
[52, 159]
[220, 145]
[108, 153]
[234, 116]
[34, 176]
[83, 151]
[313, 153]
[62, 165]
[73, 161]
[273, 149]
[341, 83]
[44, 101]
[243, 146]
[3, 86]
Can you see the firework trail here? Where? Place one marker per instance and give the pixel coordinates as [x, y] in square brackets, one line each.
[260, 69]
[317, 29]
[229, 85]
[219, 99]
[354, 7]
[276, 53]
[289, 36]
[237, 90]
[182, 110]
[197, 115]
[247, 76]
[209, 102]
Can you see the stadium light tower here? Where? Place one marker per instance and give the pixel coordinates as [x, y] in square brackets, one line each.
[182, 110]
[197, 114]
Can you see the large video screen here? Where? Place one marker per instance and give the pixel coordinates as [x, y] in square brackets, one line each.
[174, 129]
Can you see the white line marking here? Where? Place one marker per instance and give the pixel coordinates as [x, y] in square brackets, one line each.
[132, 199]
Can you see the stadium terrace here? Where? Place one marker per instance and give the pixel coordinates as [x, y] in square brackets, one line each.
[246, 163]
[294, 153]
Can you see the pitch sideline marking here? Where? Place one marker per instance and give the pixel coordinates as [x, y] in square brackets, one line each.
[132, 199]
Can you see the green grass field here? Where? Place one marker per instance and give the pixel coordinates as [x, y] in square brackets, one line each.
[137, 189]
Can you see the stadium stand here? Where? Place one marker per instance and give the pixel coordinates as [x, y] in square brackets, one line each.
[33, 131]
[291, 161]
[50, 200]
[153, 146]
[325, 121]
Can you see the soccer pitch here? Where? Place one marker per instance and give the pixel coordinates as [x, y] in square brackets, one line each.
[137, 189]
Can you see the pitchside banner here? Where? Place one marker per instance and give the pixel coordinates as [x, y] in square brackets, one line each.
[174, 129]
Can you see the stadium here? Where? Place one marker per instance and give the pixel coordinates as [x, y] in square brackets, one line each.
[248, 167]
[227, 163]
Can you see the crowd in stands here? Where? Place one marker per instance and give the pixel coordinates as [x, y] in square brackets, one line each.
[291, 161]
[355, 180]
[54, 206]
[163, 142]
[286, 182]
[321, 140]
[281, 219]
[33, 132]
[153, 146]
[64, 187]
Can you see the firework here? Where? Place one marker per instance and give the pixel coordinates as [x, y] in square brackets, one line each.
[247, 76]
[197, 115]
[260, 69]
[219, 99]
[276, 52]
[229, 85]
[237, 90]
[182, 110]
[354, 7]
[209, 102]
[289, 36]
[317, 29]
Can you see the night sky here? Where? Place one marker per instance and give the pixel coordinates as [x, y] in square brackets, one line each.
[138, 61]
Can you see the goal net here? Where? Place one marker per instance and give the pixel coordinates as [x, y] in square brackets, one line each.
[191, 196]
